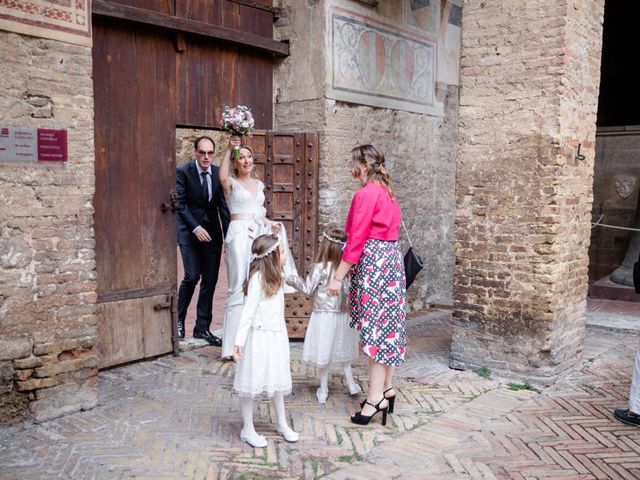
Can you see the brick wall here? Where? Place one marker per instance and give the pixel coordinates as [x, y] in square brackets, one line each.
[47, 270]
[530, 75]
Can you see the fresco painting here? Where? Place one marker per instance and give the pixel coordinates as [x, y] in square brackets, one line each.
[376, 65]
[65, 20]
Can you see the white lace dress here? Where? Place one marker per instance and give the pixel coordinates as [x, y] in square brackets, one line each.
[262, 333]
[240, 236]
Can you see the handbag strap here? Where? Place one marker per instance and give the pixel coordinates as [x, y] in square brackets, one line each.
[406, 232]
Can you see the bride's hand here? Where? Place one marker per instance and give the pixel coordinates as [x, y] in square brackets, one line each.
[235, 141]
[275, 228]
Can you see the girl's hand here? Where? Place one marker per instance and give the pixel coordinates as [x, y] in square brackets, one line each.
[237, 353]
[334, 287]
[275, 228]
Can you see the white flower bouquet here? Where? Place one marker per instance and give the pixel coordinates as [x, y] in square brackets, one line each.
[237, 121]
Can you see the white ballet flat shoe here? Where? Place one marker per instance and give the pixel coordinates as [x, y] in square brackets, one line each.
[288, 434]
[322, 395]
[355, 389]
[253, 439]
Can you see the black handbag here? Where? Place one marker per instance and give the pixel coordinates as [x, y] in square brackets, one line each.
[412, 261]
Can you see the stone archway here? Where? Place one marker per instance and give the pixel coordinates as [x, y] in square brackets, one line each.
[529, 94]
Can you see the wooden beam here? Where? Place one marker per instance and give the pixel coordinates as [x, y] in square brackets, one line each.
[105, 8]
[253, 4]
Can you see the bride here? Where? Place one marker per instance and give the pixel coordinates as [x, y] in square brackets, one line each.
[245, 198]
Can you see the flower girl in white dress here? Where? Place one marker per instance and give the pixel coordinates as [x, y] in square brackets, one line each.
[328, 339]
[261, 347]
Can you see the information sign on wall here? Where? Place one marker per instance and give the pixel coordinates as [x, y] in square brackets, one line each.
[22, 144]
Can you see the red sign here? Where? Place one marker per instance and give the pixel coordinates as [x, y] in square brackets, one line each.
[52, 145]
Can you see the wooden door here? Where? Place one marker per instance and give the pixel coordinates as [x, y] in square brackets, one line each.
[288, 165]
[135, 228]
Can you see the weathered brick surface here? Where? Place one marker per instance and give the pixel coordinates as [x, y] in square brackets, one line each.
[530, 75]
[47, 269]
[420, 149]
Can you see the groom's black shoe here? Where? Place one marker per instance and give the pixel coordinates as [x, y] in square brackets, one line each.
[180, 328]
[209, 337]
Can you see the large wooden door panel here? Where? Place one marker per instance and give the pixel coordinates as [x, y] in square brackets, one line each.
[134, 85]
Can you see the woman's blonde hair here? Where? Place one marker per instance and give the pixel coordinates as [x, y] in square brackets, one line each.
[269, 265]
[374, 161]
[333, 241]
[235, 170]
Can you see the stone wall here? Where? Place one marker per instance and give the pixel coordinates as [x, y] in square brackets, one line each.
[530, 75]
[420, 149]
[47, 270]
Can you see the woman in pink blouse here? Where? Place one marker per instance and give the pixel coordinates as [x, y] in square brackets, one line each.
[377, 296]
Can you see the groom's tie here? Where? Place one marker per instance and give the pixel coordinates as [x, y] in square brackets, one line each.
[205, 185]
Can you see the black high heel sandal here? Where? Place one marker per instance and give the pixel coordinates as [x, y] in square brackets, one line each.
[365, 419]
[392, 400]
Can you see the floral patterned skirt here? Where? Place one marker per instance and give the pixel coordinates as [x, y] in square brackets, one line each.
[377, 301]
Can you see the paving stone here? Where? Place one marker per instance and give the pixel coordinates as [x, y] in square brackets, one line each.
[176, 417]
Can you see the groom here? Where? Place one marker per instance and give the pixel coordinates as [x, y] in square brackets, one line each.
[202, 222]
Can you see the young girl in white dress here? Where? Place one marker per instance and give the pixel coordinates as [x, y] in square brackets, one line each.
[261, 347]
[328, 339]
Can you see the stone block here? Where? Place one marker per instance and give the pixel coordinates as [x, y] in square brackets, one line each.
[36, 383]
[29, 362]
[62, 399]
[12, 348]
[62, 345]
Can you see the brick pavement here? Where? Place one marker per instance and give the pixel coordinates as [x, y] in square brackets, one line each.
[177, 418]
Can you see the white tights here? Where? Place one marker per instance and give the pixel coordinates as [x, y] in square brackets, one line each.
[348, 375]
[249, 433]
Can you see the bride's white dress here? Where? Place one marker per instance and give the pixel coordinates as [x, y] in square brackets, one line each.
[240, 236]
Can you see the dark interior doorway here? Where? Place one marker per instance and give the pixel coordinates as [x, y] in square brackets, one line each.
[617, 161]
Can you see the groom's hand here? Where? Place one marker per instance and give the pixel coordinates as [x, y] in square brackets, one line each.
[202, 234]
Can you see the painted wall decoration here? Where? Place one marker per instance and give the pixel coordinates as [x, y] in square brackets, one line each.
[423, 14]
[449, 43]
[380, 65]
[65, 20]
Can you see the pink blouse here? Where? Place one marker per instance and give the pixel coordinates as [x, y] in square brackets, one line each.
[373, 214]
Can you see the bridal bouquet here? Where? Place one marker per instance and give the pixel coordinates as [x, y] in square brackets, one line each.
[237, 121]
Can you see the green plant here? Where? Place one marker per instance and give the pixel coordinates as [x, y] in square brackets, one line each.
[355, 457]
[521, 386]
[484, 372]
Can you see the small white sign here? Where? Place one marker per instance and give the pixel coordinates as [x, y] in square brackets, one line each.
[18, 144]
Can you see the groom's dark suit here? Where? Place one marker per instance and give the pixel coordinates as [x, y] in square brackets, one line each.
[200, 259]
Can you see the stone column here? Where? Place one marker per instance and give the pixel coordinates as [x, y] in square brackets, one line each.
[529, 89]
